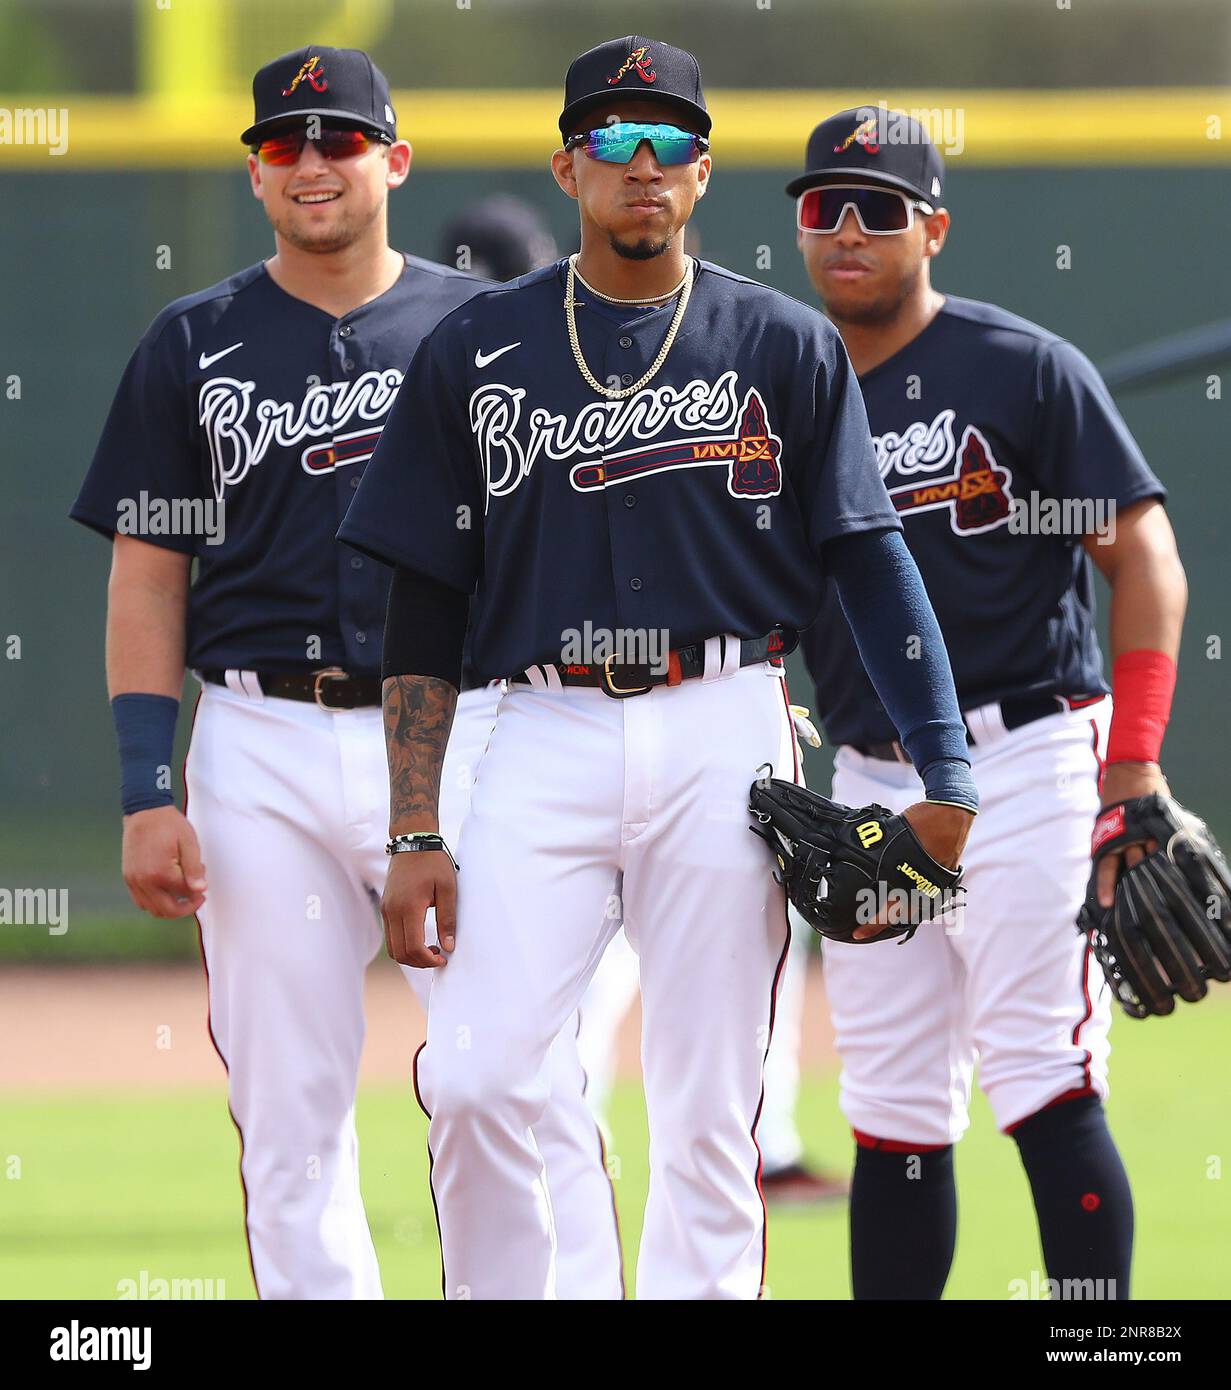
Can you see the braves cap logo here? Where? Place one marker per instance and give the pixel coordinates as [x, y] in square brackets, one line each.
[863, 134]
[638, 61]
[315, 75]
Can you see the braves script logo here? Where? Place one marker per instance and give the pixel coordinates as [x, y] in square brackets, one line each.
[718, 428]
[240, 434]
[864, 134]
[314, 75]
[977, 494]
[638, 60]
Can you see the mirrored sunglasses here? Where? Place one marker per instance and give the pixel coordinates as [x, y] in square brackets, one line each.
[879, 211]
[334, 142]
[616, 144]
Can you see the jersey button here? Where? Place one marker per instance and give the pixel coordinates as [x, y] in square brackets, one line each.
[635, 584]
[345, 331]
[626, 379]
[361, 637]
[349, 365]
[629, 500]
[626, 342]
[356, 562]
[354, 482]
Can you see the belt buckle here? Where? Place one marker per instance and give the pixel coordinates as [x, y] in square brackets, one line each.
[607, 685]
[333, 673]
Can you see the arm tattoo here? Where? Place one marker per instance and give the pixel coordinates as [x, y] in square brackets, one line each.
[418, 717]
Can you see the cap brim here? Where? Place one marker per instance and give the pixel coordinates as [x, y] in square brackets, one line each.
[699, 118]
[818, 178]
[273, 124]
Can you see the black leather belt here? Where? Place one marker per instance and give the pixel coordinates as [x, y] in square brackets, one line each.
[331, 688]
[622, 680]
[1016, 714]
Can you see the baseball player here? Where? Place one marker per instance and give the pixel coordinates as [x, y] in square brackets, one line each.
[500, 238]
[639, 466]
[989, 433]
[252, 408]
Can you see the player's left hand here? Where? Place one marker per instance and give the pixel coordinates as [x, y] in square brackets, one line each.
[1124, 782]
[942, 830]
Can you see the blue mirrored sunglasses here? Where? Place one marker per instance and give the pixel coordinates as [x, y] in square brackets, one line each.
[616, 144]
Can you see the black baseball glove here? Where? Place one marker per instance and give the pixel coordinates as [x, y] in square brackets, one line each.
[843, 868]
[1170, 928]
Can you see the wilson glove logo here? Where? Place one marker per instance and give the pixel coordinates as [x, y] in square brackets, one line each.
[925, 885]
[870, 833]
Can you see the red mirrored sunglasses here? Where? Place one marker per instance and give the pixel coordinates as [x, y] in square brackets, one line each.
[333, 142]
[879, 211]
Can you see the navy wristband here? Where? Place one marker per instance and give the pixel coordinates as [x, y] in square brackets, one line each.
[950, 780]
[145, 733]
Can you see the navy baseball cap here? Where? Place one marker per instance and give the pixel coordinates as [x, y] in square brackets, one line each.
[341, 83]
[872, 145]
[635, 66]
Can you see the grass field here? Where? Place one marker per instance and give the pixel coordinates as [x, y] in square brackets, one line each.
[100, 1188]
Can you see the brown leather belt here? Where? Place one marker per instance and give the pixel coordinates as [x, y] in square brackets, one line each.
[623, 680]
[331, 688]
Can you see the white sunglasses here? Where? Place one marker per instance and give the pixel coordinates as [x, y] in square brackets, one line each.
[879, 211]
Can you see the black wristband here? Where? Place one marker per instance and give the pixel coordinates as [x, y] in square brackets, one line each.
[419, 840]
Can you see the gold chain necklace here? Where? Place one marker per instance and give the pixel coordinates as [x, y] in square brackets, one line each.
[621, 393]
[611, 299]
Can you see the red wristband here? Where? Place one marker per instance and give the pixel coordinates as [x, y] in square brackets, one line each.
[1142, 684]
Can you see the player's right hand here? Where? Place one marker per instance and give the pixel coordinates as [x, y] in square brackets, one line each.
[415, 883]
[162, 862]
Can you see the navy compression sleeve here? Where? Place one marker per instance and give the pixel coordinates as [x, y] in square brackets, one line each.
[886, 605]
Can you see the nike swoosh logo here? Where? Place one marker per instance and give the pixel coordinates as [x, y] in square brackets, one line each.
[208, 360]
[481, 359]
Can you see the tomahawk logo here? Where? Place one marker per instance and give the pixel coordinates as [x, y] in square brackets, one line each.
[240, 434]
[717, 428]
[977, 494]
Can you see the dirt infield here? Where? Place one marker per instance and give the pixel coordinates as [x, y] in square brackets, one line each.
[87, 1028]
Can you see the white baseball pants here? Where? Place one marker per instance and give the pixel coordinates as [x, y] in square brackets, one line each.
[290, 803]
[1010, 984]
[588, 811]
[610, 996]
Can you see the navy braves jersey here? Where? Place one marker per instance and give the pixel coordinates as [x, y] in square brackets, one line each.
[981, 414]
[699, 505]
[238, 435]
